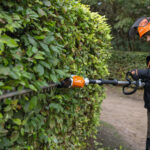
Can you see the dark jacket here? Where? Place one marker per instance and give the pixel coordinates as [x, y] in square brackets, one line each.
[145, 76]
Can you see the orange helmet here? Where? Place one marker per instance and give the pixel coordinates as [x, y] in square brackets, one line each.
[140, 27]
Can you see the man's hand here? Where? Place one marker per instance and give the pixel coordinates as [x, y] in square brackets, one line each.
[134, 74]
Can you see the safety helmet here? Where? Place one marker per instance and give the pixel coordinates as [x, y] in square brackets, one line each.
[140, 27]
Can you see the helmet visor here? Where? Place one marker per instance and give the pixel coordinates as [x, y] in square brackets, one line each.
[138, 26]
[143, 23]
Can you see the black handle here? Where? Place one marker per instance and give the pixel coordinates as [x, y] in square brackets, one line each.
[113, 82]
[129, 85]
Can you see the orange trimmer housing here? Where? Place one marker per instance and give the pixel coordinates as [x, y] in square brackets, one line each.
[78, 81]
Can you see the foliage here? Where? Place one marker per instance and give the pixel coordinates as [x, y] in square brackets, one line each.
[122, 62]
[43, 41]
[89, 2]
[121, 15]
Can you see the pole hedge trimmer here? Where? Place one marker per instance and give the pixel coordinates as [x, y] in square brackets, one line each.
[80, 82]
[77, 81]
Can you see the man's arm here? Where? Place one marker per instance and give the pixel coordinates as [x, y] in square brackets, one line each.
[140, 74]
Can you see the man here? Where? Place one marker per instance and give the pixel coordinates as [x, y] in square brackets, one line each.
[142, 28]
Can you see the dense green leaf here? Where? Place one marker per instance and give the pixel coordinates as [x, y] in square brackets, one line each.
[1, 116]
[47, 3]
[32, 87]
[39, 68]
[54, 48]
[44, 46]
[3, 131]
[32, 40]
[1, 83]
[41, 12]
[14, 136]
[4, 39]
[54, 78]
[49, 39]
[46, 65]
[33, 102]
[39, 56]
[17, 121]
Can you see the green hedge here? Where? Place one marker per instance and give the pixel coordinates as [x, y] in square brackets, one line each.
[43, 41]
[122, 62]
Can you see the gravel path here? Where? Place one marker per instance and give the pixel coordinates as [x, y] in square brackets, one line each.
[127, 115]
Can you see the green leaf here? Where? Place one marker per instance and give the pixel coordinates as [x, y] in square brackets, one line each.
[1, 84]
[17, 56]
[56, 106]
[54, 78]
[22, 131]
[31, 40]
[8, 41]
[46, 65]
[61, 72]
[14, 75]
[32, 87]
[52, 123]
[27, 75]
[41, 12]
[3, 131]
[40, 37]
[17, 121]
[5, 61]
[33, 103]
[54, 48]
[34, 49]
[49, 38]
[1, 115]
[14, 136]
[32, 14]
[4, 70]
[44, 46]
[29, 52]
[55, 140]
[54, 61]
[7, 108]
[40, 83]
[39, 69]
[2, 46]
[47, 3]
[39, 56]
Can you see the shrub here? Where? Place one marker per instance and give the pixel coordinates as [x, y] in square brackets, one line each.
[122, 62]
[43, 41]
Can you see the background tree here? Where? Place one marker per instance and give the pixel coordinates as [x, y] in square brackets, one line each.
[121, 15]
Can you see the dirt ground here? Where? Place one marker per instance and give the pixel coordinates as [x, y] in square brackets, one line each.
[127, 116]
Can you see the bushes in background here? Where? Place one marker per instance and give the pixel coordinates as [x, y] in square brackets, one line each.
[122, 62]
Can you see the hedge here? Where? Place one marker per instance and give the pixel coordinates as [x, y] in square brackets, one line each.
[45, 41]
[124, 61]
